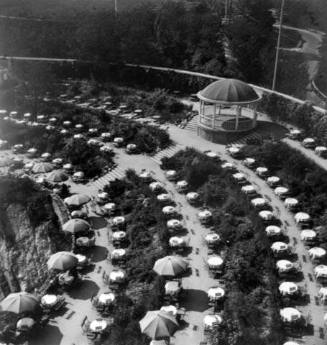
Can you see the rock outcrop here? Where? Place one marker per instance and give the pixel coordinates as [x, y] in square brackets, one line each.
[30, 231]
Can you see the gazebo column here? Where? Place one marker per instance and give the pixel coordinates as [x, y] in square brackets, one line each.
[255, 116]
[238, 114]
[214, 115]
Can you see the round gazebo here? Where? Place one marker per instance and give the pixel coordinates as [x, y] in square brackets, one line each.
[225, 111]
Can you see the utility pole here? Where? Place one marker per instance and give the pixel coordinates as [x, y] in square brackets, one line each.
[278, 44]
[116, 7]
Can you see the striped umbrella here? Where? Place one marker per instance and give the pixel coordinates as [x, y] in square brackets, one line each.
[62, 261]
[170, 266]
[42, 167]
[77, 200]
[58, 176]
[158, 324]
[76, 225]
[20, 302]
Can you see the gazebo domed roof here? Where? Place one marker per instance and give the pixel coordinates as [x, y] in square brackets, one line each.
[230, 91]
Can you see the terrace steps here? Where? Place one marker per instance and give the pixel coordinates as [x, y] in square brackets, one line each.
[117, 173]
[168, 152]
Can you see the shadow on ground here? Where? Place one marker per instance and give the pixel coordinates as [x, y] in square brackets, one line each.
[195, 300]
[49, 335]
[85, 290]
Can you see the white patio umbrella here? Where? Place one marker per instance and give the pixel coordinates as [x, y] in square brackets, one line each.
[163, 197]
[288, 288]
[308, 142]
[94, 142]
[53, 120]
[78, 136]
[171, 174]
[228, 166]
[79, 175]
[119, 235]
[118, 253]
[212, 238]
[210, 321]
[291, 202]
[169, 309]
[295, 132]
[233, 150]
[168, 210]
[216, 293]
[68, 166]
[279, 247]
[50, 128]
[174, 224]
[266, 215]
[105, 135]
[281, 191]
[239, 176]
[273, 230]
[261, 171]
[79, 126]
[176, 241]
[192, 196]
[106, 148]
[249, 162]
[155, 186]
[317, 253]
[215, 261]
[67, 123]
[93, 130]
[248, 189]
[211, 154]
[273, 180]
[145, 175]
[323, 293]
[301, 217]
[205, 215]
[118, 140]
[117, 276]
[320, 150]
[290, 314]
[57, 161]
[172, 287]
[103, 195]
[64, 132]
[284, 265]
[308, 235]
[120, 220]
[320, 271]
[182, 185]
[110, 207]
[258, 202]
[131, 147]
[106, 298]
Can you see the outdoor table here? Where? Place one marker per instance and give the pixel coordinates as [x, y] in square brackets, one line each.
[25, 324]
[98, 325]
[82, 241]
[106, 298]
[65, 279]
[171, 309]
[49, 300]
[82, 259]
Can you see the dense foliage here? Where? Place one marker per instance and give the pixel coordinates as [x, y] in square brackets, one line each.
[313, 123]
[306, 181]
[250, 311]
[179, 34]
[147, 234]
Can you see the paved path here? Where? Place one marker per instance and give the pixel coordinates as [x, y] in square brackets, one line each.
[193, 333]
[307, 152]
